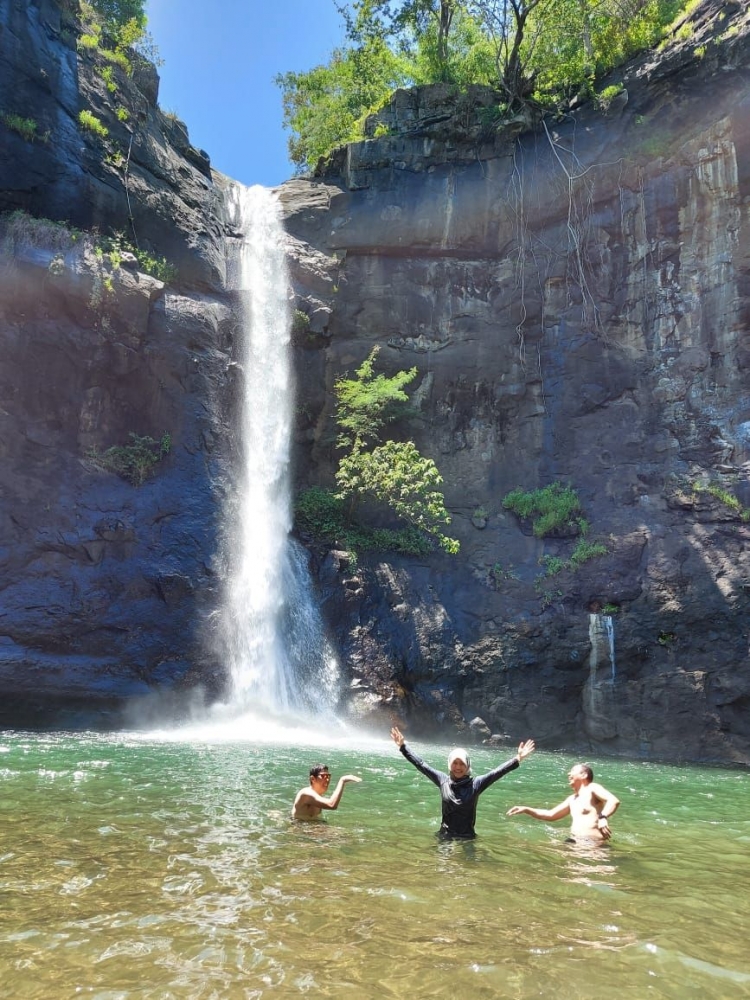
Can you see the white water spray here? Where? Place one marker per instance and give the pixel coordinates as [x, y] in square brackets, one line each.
[272, 632]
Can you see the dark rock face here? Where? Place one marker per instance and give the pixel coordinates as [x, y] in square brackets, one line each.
[105, 586]
[576, 303]
[144, 179]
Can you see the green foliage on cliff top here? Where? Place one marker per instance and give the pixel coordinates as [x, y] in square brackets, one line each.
[538, 52]
[121, 11]
[116, 29]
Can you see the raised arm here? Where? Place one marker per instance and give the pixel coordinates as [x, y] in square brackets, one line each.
[429, 772]
[332, 802]
[549, 815]
[485, 780]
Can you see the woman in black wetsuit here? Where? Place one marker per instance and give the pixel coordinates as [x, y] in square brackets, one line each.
[458, 790]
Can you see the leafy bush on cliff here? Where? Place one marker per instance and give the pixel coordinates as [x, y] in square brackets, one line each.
[20, 229]
[392, 473]
[322, 515]
[27, 128]
[134, 462]
[553, 508]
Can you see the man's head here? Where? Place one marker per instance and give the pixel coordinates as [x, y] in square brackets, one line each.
[459, 764]
[579, 775]
[320, 776]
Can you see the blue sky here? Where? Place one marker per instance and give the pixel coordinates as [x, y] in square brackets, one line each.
[220, 60]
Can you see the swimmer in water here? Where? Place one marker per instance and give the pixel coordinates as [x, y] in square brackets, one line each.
[589, 807]
[458, 790]
[309, 802]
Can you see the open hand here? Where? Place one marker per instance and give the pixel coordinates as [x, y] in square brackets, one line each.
[397, 736]
[516, 810]
[524, 749]
[350, 777]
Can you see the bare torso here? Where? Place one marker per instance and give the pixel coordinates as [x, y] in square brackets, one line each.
[584, 812]
[305, 807]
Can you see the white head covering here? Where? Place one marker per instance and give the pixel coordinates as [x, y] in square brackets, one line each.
[458, 754]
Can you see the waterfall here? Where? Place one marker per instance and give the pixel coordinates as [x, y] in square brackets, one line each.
[602, 638]
[599, 693]
[271, 630]
[609, 628]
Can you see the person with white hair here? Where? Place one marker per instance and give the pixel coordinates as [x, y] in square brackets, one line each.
[458, 790]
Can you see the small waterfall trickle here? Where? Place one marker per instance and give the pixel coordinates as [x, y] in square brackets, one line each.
[609, 628]
[602, 639]
[599, 692]
[271, 630]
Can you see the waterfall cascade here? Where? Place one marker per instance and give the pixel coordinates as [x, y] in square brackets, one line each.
[272, 632]
[602, 638]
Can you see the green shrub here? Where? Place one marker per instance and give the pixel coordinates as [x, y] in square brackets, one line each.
[554, 565]
[27, 128]
[322, 515]
[90, 123]
[300, 323]
[585, 551]
[134, 462]
[108, 77]
[604, 98]
[21, 229]
[551, 509]
[723, 495]
[158, 267]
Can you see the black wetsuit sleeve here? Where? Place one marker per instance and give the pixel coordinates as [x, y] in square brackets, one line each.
[435, 776]
[485, 780]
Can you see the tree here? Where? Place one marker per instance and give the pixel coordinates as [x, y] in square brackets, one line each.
[393, 473]
[119, 12]
[368, 401]
[507, 23]
[397, 475]
[422, 31]
[538, 52]
[578, 40]
[326, 106]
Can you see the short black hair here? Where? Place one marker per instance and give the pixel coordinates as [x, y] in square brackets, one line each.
[317, 769]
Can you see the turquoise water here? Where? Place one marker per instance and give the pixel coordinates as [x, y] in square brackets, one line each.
[142, 867]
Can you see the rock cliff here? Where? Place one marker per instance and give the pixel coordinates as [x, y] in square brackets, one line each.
[576, 300]
[103, 585]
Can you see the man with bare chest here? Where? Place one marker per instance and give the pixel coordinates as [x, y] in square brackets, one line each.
[310, 801]
[589, 807]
